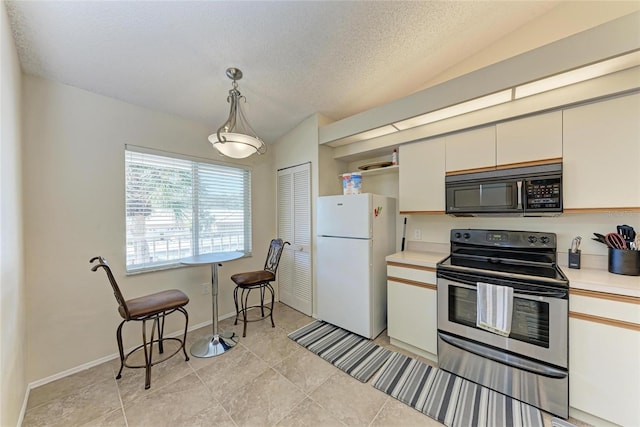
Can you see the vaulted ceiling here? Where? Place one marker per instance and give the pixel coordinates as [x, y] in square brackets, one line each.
[298, 57]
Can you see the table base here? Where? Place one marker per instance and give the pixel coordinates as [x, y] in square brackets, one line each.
[214, 345]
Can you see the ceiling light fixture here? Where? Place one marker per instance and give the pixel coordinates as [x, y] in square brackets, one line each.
[578, 75]
[456, 110]
[236, 138]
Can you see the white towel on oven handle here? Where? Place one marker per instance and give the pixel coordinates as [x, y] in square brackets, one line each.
[494, 308]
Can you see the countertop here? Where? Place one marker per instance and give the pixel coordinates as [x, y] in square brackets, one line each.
[603, 281]
[423, 259]
[587, 279]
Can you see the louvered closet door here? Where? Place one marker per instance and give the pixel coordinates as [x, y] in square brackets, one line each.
[294, 226]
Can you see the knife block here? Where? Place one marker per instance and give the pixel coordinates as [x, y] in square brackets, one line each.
[574, 259]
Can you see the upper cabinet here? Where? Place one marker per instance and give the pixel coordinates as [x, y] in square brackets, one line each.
[601, 154]
[421, 179]
[532, 139]
[471, 150]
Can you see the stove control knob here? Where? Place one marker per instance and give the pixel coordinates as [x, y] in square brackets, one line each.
[466, 235]
[458, 235]
[544, 240]
[532, 239]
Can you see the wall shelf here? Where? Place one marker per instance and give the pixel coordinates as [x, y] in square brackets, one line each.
[378, 171]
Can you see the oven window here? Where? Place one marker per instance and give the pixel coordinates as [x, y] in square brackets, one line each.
[530, 321]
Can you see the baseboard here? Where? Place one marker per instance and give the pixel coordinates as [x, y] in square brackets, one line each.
[23, 410]
[104, 359]
[88, 365]
[588, 418]
[415, 350]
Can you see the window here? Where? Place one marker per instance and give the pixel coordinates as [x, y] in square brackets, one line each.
[177, 207]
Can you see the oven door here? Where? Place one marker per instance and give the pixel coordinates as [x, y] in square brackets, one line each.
[539, 327]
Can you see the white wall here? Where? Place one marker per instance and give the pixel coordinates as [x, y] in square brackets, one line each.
[435, 228]
[74, 210]
[12, 288]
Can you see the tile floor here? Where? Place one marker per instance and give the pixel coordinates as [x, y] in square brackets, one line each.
[266, 380]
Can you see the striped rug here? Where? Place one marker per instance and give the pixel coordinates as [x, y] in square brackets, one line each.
[351, 353]
[450, 399]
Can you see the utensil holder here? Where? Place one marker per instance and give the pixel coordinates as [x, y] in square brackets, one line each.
[624, 261]
[574, 259]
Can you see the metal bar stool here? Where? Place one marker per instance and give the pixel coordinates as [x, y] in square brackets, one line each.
[154, 307]
[258, 280]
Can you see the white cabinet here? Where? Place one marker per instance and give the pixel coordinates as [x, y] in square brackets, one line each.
[421, 177]
[604, 356]
[471, 150]
[532, 139]
[412, 308]
[601, 154]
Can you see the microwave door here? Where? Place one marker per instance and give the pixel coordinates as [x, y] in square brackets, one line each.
[485, 197]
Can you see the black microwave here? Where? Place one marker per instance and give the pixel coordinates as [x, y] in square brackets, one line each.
[523, 191]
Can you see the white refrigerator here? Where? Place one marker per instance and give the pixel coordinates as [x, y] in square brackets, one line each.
[355, 234]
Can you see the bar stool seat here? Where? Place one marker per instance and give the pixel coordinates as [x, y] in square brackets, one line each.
[253, 277]
[154, 303]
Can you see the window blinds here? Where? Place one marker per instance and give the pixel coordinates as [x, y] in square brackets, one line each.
[178, 207]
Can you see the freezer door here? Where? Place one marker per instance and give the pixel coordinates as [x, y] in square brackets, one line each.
[345, 284]
[345, 216]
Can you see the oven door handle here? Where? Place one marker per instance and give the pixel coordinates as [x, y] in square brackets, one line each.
[458, 281]
[549, 294]
[503, 358]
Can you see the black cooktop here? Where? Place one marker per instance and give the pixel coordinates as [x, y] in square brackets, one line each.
[542, 271]
[505, 253]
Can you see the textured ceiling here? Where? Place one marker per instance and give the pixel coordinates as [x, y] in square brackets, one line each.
[298, 58]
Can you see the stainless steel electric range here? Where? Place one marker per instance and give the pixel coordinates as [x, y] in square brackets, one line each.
[531, 363]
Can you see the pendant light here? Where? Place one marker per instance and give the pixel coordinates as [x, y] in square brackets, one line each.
[236, 138]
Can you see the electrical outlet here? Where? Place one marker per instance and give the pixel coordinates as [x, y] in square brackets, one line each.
[417, 234]
[206, 288]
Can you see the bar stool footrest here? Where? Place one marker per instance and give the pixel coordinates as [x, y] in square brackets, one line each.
[154, 362]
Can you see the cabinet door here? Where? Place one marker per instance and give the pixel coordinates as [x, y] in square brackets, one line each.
[530, 139]
[411, 315]
[421, 177]
[604, 356]
[604, 371]
[474, 149]
[601, 154]
[412, 306]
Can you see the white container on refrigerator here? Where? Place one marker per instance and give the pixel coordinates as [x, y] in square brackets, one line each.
[355, 234]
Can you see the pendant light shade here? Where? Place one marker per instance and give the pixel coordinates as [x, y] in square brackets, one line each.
[236, 138]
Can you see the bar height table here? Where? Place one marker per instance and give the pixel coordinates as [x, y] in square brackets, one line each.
[218, 342]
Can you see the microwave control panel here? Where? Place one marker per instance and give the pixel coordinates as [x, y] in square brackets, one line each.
[543, 193]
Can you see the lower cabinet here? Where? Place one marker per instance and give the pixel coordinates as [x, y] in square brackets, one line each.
[604, 357]
[412, 308]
